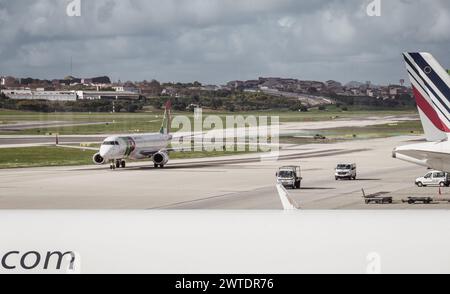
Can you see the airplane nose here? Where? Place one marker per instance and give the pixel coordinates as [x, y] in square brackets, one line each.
[105, 151]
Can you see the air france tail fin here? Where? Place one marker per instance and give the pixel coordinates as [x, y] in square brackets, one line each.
[165, 126]
[431, 87]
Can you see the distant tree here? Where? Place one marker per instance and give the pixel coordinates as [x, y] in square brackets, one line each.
[157, 104]
[303, 108]
[216, 103]
[155, 88]
[230, 107]
[179, 104]
[195, 98]
[118, 107]
[108, 89]
[312, 90]
[101, 80]
[132, 107]
[296, 107]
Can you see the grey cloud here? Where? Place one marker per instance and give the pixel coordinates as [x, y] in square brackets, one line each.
[219, 40]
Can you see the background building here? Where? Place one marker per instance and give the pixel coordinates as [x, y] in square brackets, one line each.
[112, 95]
[41, 95]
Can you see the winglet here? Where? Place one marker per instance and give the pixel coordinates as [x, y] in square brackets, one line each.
[286, 200]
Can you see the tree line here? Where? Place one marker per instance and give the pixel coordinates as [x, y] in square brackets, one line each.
[235, 101]
[71, 106]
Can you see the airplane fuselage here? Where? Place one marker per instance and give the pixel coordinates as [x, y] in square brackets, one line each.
[133, 146]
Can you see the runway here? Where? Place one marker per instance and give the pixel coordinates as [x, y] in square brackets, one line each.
[20, 126]
[26, 140]
[232, 182]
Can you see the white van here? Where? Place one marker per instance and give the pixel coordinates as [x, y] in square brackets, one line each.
[345, 171]
[434, 178]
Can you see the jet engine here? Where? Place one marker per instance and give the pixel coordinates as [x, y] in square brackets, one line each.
[160, 158]
[97, 159]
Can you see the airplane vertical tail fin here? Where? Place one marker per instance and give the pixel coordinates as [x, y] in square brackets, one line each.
[431, 87]
[165, 126]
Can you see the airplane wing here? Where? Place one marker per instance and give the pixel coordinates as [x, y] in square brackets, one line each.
[178, 149]
[77, 147]
[187, 135]
[425, 155]
[148, 154]
[437, 160]
[167, 150]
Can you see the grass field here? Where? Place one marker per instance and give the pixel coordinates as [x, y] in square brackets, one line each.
[357, 133]
[376, 131]
[43, 156]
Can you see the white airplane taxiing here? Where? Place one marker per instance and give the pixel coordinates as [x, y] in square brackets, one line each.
[116, 149]
[431, 87]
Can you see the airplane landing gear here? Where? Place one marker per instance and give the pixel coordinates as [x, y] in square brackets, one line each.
[117, 164]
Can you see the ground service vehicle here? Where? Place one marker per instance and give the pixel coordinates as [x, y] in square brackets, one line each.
[378, 198]
[345, 171]
[289, 176]
[434, 178]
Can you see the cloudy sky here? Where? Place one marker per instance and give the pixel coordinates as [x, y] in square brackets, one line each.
[214, 41]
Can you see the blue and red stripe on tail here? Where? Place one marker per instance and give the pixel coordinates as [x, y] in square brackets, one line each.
[431, 87]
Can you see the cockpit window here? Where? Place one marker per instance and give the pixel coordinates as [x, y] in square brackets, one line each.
[110, 143]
